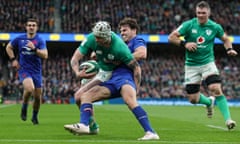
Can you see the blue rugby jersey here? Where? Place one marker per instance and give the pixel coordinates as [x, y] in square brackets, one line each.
[28, 59]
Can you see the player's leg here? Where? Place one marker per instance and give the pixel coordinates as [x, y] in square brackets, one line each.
[192, 87]
[36, 105]
[86, 110]
[83, 89]
[214, 86]
[37, 94]
[101, 76]
[129, 96]
[28, 88]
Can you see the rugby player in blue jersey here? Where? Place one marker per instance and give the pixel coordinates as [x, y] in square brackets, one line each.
[122, 83]
[31, 50]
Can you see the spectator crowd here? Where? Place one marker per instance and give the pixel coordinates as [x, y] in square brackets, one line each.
[162, 78]
[74, 16]
[162, 75]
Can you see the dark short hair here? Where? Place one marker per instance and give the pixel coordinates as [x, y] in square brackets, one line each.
[131, 22]
[32, 20]
[203, 4]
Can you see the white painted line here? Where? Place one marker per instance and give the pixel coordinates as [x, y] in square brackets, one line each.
[109, 141]
[7, 105]
[217, 127]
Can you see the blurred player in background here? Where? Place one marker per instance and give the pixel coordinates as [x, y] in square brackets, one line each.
[122, 83]
[199, 34]
[31, 50]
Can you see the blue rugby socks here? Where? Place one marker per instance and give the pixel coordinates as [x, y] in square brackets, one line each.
[142, 117]
[86, 113]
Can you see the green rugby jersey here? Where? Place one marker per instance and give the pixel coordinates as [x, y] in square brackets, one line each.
[204, 35]
[107, 58]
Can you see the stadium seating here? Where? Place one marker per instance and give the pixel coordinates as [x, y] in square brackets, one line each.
[74, 16]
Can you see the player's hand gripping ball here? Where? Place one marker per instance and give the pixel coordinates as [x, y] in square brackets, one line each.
[91, 66]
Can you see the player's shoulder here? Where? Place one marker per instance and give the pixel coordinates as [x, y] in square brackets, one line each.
[211, 22]
[90, 38]
[117, 41]
[191, 21]
[138, 39]
[21, 36]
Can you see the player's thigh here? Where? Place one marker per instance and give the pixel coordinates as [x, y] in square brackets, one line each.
[209, 69]
[28, 84]
[88, 86]
[192, 75]
[97, 93]
[129, 95]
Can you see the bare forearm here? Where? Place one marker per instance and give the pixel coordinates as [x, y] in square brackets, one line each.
[74, 65]
[136, 72]
[42, 53]
[10, 52]
[140, 53]
[137, 76]
[174, 38]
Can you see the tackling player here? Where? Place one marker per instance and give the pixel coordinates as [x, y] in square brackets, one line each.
[122, 83]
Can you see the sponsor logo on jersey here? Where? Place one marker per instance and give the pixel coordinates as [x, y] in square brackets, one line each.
[200, 40]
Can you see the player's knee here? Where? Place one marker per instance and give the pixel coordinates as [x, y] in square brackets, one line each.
[29, 90]
[214, 84]
[192, 88]
[193, 101]
[76, 96]
[215, 89]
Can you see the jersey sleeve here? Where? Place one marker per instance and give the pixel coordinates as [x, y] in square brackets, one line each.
[14, 42]
[85, 46]
[125, 54]
[139, 42]
[220, 31]
[42, 44]
[183, 28]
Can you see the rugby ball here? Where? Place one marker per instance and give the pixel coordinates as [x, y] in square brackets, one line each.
[91, 66]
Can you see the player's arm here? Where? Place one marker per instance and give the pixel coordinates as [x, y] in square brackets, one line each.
[174, 38]
[77, 56]
[136, 72]
[42, 53]
[228, 45]
[140, 53]
[10, 53]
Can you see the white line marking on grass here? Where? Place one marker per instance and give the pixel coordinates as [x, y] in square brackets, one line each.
[72, 141]
[8, 105]
[217, 127]
[109, 141]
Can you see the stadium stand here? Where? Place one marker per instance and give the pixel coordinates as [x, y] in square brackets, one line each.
[14, 14]
[74, 16]
[154, 17]
[163, 77]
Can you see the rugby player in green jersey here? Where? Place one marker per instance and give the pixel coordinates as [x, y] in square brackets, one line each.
[111, 51]
[199, 34]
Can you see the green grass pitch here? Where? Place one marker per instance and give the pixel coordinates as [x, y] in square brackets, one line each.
[174, 124]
